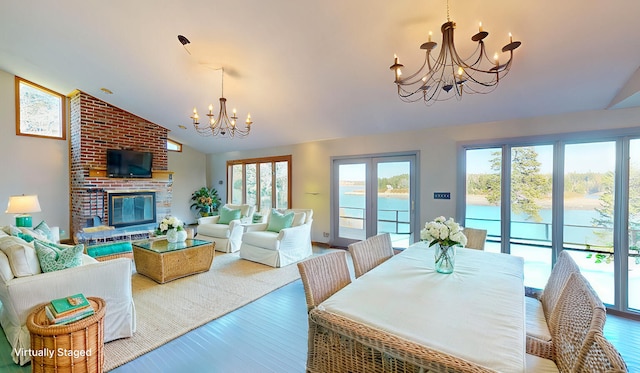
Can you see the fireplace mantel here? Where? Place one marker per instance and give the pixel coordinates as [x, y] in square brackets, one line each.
[158, 175]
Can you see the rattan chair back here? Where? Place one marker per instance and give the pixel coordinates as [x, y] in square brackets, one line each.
[581, 316]
[475, 238]
[602, 356]
[370, 253]
[558, 278]
[323, 275]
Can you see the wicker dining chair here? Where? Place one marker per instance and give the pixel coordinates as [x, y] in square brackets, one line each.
[475, 238]
[602, 356]
[581, 316]
[542, 311]
[371, 252]
[323, 275]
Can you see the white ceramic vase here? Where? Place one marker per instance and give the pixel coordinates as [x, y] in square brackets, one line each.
[172, 235]
[181, 236]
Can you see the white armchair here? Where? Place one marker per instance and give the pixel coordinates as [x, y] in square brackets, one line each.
[282, 248]
[226, 236]
[20, 292]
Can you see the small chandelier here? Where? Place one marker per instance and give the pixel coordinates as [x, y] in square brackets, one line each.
[224, 125]
[449, 75]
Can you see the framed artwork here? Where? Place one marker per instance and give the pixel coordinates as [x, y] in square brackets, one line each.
[40, 111]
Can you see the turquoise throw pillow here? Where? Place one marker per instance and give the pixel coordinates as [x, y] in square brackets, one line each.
[44, 230]
[279, 221]
[227, 214]
[26, 237]
[55, 257]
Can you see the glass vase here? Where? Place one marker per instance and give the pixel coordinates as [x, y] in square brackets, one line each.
[445, 258]
[172, 235]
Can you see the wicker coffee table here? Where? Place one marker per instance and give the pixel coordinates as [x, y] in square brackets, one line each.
[163, 261]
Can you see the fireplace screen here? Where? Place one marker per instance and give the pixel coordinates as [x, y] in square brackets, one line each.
[132, 208]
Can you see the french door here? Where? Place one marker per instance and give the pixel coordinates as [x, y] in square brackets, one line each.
[372, 195]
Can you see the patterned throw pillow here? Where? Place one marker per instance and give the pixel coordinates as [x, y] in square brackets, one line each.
[279, 221]
[55, 257]
[227, 214]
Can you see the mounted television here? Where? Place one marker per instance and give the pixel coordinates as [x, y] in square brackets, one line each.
[129, 163]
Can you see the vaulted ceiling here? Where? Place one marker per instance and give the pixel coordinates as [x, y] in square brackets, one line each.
[311, 70]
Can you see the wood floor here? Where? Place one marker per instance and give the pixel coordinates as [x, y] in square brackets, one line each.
[270, 335]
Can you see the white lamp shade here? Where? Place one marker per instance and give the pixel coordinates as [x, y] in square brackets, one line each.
[23, 204]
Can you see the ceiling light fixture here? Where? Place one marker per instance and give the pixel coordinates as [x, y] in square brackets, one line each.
[449, 75]
[223, 125]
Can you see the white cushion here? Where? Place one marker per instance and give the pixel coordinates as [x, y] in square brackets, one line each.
[6, 273]
[298, 218]
[214, 230]
[264, 239]
[38, 235]
[536, 321]
[2, 233]
[22, 257]
[536, 364]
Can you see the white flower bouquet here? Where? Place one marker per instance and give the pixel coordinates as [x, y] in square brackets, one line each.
[169, 222]
[445, 232]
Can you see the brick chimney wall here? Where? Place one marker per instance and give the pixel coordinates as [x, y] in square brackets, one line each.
[95, 127]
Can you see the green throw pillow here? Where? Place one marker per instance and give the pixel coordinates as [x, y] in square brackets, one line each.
[55, 257]
[279, 221]
[227, 214]
[44, 230]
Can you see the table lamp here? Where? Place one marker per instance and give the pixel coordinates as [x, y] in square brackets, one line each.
[23, 205]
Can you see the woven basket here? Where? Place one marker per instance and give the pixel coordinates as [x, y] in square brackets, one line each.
[71, 348]
[104, 258]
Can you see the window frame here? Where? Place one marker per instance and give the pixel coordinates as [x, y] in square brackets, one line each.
[19, 82]
[257, 161]
[177, 145]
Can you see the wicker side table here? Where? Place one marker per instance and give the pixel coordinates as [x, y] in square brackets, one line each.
[72, 348]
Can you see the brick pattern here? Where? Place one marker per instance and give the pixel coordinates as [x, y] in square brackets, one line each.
[95, 127]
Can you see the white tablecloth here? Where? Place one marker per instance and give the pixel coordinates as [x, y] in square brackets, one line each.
[475, 313]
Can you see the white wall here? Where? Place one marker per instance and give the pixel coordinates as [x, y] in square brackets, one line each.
[189, 175]
[438, 152]
[31, 165]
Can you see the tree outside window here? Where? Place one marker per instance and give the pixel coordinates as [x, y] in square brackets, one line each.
[40, 111]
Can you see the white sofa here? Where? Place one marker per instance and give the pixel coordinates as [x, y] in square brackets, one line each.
[226, 236]
[278, 249]
[109, 280]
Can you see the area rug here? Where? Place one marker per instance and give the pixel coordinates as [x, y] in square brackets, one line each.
[167, 311]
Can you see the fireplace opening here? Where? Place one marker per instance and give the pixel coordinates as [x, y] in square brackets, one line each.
[132, 208]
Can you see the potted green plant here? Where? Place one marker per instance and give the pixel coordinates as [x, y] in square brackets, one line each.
[205, 200]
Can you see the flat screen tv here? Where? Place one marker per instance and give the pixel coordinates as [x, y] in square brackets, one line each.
[129, 163]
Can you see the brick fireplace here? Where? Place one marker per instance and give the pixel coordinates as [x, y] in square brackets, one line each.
[95, 127]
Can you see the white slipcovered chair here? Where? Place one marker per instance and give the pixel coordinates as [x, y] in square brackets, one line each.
[23, 287]
[264, 244]
[226, 236]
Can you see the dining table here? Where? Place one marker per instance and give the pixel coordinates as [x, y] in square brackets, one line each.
[403, 315]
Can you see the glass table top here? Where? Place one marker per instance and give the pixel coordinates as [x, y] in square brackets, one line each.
[162, 245]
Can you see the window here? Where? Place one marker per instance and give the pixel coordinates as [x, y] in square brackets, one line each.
[263, 182]
[174, 146]
[40, 111]
[576, 192]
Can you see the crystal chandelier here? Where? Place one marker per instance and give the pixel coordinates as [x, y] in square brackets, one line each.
[224, 125]
[448, 75]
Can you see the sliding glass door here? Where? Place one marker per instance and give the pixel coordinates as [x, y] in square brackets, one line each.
[373, 195]
[562, 194]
